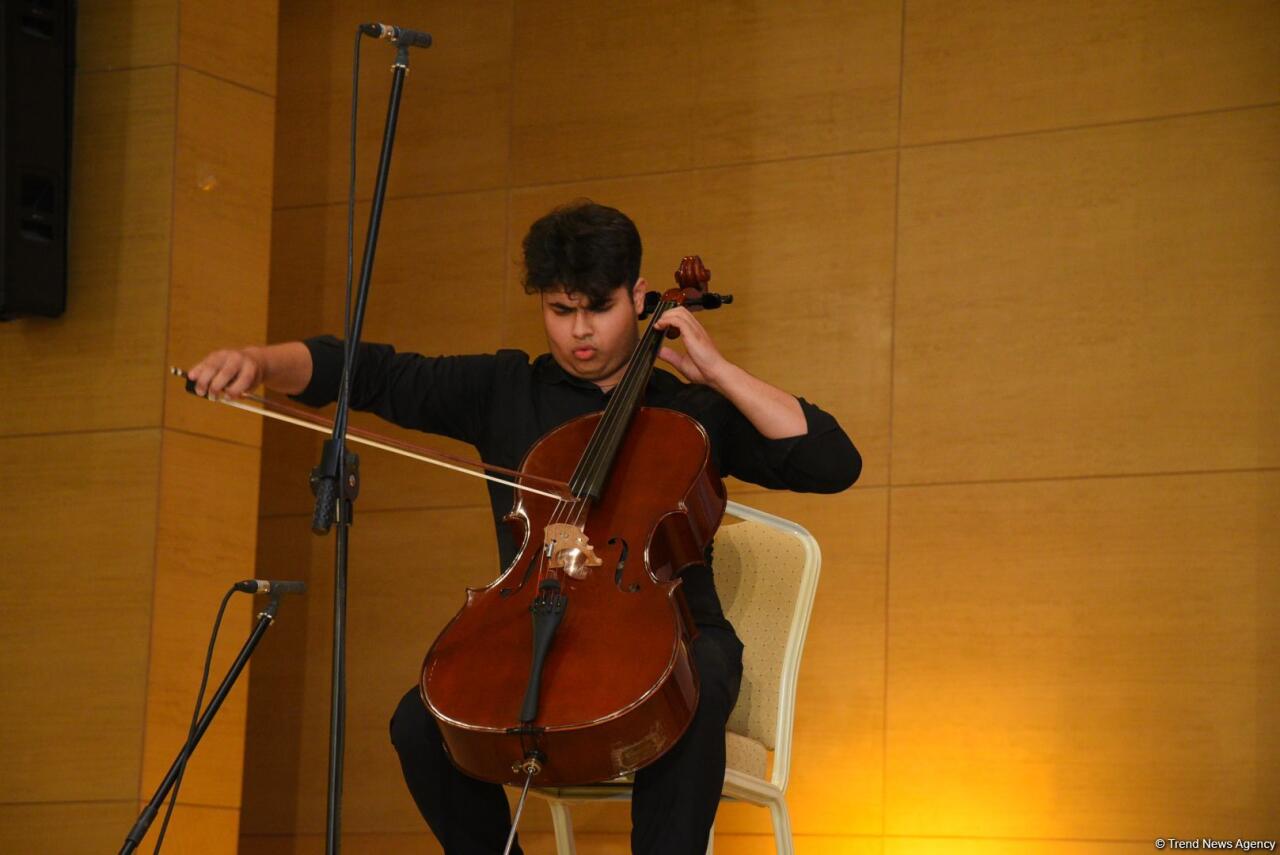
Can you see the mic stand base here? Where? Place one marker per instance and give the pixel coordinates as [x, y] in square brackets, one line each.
[148, 815]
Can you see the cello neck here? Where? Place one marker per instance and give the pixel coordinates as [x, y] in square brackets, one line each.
[592, 472]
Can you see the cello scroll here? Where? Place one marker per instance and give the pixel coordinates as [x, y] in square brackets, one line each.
[692, 278]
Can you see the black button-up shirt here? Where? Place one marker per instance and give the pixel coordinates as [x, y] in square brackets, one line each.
[502, 403]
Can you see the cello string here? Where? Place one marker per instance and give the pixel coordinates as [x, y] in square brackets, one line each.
[629, 376]
[624, 400]
[582, 472]
[575, 509]
[614, 420]
[593, 459]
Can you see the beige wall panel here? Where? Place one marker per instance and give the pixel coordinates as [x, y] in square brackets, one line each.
[66, 828]
[1083, 658]
[221, 240]
[438, 286]
[234, 40]
[838, 750]
[535, 843]
[453, 124]
[75, 642]
[296, 309]
[937, 846]
[100, 363]
[784, 79]
[987, 68]
[193, 830]
[1098, 301]
[1262, 612]
[603, 89]
[118, 34]
[805, 844]
[676, 84]
[308, 258]
[408, 574]
[543, 843]
[806, 248]
[277, 678]
[204, 543]
[288, 455]
[813, 845]
[352, 844]
[439, 276]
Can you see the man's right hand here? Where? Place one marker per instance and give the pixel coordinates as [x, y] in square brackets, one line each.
[229, 373]
[284, 367]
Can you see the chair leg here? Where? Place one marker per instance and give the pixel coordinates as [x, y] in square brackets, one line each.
[781, 827]
[562, 823]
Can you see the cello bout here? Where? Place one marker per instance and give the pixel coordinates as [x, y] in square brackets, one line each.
[606, 704]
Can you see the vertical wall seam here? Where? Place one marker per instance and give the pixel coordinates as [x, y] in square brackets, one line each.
[888, 512]
[504, 304]
[161, 381]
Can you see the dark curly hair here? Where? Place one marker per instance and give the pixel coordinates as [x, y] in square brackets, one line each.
[583, 247]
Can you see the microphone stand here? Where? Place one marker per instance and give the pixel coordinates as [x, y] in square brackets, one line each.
[148, 815]
[336, 481]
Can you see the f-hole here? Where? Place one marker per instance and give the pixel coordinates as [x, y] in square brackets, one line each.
[506, 592]
[634, 587]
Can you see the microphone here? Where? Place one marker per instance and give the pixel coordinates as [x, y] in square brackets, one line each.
[270, 586]
[398, 35]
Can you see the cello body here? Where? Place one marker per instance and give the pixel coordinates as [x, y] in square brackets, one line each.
[617, 686]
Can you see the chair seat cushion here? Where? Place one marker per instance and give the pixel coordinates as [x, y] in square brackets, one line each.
[745, 755]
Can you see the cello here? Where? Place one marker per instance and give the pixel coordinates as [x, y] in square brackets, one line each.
[574, 665]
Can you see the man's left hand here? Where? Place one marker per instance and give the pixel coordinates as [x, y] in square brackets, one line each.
[700, 362]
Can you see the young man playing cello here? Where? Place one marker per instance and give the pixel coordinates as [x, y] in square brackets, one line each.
[584, 261]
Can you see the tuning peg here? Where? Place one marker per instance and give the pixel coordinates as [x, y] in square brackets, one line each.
[712, 300]
[651, 300]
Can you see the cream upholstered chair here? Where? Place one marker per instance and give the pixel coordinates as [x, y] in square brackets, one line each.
[766, 572]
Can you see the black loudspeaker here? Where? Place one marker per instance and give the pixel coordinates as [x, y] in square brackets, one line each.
[37, 73]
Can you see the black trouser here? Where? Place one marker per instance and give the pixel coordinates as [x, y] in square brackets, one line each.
[672, 807]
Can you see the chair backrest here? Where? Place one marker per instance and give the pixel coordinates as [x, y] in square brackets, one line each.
[766, 572]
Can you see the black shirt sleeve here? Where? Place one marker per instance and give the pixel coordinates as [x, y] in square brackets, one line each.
[821, 460]
[447, 395]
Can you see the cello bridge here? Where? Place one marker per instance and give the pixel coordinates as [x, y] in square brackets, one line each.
[568, 549]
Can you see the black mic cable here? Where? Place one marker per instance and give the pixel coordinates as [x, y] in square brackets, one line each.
[195, 717]
[248, 586]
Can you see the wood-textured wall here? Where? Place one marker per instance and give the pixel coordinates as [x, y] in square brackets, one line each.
[1024, 251]
[136, 506]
